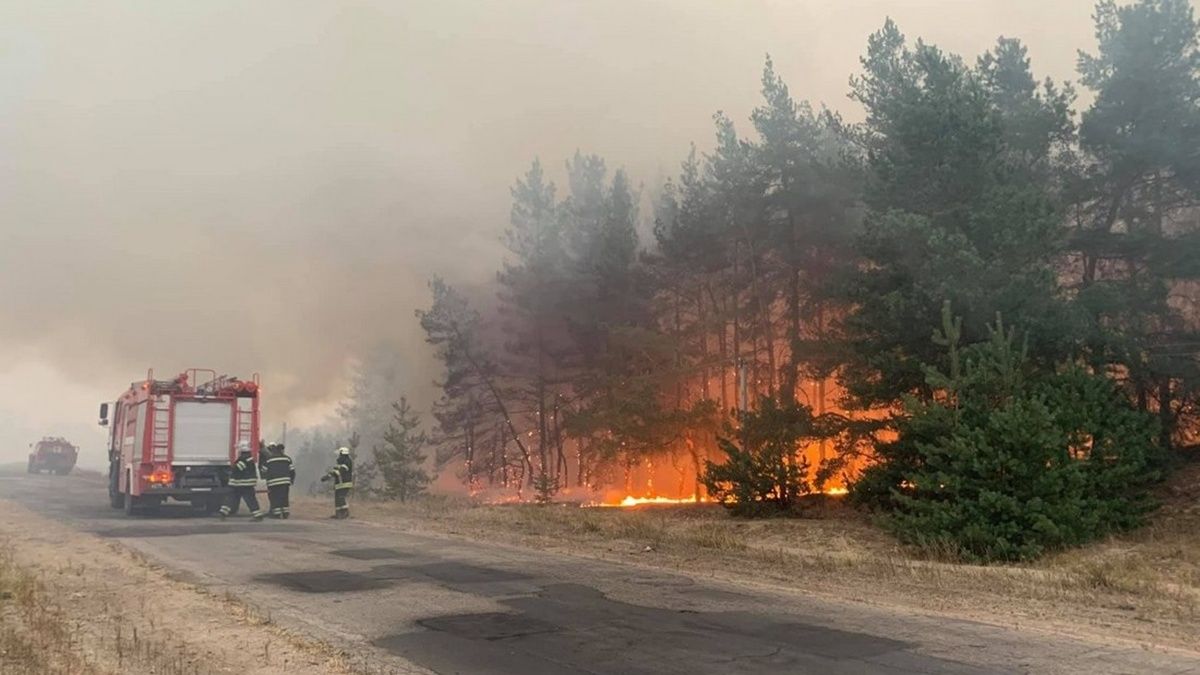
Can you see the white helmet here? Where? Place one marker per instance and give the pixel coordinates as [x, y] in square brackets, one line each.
[243, 446]
[343, 450]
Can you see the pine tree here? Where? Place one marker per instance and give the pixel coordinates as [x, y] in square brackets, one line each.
[400, 457]
[1009, 460]
[473, 414]
[532, 304]
[377, 379]
[761, 474]
[809, 205]
[1135, 233]
[959, 209]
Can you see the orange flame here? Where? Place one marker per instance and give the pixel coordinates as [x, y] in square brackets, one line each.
[638, 501]
[630, 500]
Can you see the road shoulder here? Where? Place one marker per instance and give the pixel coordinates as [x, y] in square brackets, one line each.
[91, 605]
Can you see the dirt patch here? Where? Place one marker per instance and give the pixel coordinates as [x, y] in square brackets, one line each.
[85, 605]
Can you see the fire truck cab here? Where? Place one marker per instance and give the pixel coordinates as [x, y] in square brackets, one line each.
[176, 439]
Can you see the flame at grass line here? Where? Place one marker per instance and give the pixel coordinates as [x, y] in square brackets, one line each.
[639, 501]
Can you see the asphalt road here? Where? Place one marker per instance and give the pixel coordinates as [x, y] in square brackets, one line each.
[452, 605]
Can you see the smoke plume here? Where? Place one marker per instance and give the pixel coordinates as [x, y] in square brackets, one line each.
[267, 186]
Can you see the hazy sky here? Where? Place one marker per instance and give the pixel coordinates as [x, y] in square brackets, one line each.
[266, 185]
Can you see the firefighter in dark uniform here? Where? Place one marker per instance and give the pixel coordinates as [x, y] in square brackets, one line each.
[280, 474]
[242, 478]
[342, 475]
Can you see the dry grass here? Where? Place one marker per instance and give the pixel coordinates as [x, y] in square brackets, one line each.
[40, 631]
[35, 637]
[72, 603]
[1144, 585]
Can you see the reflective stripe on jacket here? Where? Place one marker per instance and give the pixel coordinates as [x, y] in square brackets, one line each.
[244, 473]
[279, 471]
[343, 477]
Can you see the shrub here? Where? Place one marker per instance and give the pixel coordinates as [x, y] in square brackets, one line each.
[1006, 462]
[764, 474]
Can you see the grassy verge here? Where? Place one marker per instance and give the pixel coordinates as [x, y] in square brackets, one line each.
[1143, 586]
[73, 603]
[40, 633]
[35, 636]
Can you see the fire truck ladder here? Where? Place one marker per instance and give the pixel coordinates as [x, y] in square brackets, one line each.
[161, 442]
[243, 410]
[215, 385]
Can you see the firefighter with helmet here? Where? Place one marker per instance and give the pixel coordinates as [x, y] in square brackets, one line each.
[242, 478]
[342, 475]
[280, 474]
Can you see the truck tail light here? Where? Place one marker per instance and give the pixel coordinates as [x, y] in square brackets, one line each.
[160, 477]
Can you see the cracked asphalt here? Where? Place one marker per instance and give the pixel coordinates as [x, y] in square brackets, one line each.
[399, 602]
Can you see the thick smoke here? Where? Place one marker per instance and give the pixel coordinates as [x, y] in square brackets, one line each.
[266, 186]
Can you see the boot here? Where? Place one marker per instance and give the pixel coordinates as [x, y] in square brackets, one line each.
[257, 517]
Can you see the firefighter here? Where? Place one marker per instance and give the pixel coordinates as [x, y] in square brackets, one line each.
[342, 475]
[280, 475]
[242, 479]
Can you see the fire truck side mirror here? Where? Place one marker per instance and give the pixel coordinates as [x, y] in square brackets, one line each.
[103, 414]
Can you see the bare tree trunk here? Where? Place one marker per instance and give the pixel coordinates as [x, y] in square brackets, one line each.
[562, 474]
[755, 378]
[678, 352]
[821, 408]
[499, 456]
[702, 319]
[691, 445]
[737, 311]
[682, 474]
[469, 451]
[579, 465]
[540, 388]
[768, 333]
[791, 376]
[1165, 415]
[722, 348]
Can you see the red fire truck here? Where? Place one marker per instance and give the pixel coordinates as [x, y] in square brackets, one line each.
[52, 454]
[177, 438]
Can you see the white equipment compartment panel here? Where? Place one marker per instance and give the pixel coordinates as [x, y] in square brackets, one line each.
[203, 432]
